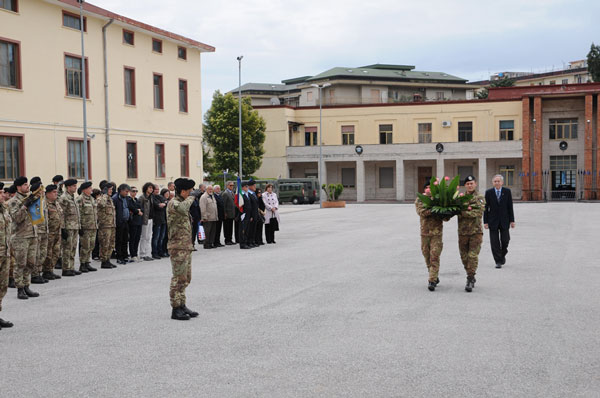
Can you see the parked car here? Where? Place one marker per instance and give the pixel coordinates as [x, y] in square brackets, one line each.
[310, 185]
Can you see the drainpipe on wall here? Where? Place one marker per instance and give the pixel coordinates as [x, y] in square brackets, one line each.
[106, 117]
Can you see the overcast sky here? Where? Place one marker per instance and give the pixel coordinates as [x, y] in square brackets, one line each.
[285, 39]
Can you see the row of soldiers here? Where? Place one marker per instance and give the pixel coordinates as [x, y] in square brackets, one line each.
[470, 235]
[41, 228]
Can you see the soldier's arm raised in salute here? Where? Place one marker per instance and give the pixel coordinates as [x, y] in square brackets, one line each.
[183, 207]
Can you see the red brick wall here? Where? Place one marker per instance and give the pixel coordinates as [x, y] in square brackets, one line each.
[537, 149]
[526, 140]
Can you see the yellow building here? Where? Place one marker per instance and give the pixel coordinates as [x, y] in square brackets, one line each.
[403, 145]
[143, 86]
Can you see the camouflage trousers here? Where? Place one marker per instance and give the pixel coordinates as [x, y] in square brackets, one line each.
[181, 263]
[87, 242]
[69, 246]
[25, 250]
[431, 247]
[42, 251]
[106, 241]
[469, 247]
[11, 272]
[53, 252]
[4, 267]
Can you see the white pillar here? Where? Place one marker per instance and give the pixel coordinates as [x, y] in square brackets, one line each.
[440, 168]
[482, 179]
[360, 181]
[400, 195]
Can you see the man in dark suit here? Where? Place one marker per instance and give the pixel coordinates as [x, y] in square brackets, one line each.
[230, 214]
[220, 214]
[245, 218]
[499, 217]
[254, 199]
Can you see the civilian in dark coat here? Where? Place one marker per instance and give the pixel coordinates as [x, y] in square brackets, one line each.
[195, 213]
[254, 218]
[258, 236]
[135, 224]
[123, 214]
[245, 219]
[220, 214]
[230, 214]
[159, 223]
[499, 217]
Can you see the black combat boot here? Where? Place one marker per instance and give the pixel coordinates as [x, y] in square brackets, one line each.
[77, 272]
[68, 272]
[191, 313]
[179, 314]
[431, 286]
[30, 292]
[38, 280]
[5, 324]
[90, 268]
[58, 264]
[56, 276]
[106, 265]
[470, 285]
[437, 281]
[83, 268]
[48, 275]
[21, 294]
[11, 283]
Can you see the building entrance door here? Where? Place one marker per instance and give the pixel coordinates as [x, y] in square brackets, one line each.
[423, 175]
[564, 177]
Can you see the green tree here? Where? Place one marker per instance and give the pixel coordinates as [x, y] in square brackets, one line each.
[593, 61]
[221, 134]
[504, 82]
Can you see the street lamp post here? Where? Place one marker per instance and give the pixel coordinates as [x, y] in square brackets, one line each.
[83, 96]
[240, 112]
[321, 87]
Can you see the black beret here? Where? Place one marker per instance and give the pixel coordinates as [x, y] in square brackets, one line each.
[251, 182]
[20, 181]
[78, 190]
[57, 178]
[50, 188]
[69, 182]
[1, 185]
[103, 184]
[427, 183]
[469, 178]
[85, 185]
[12, 189]
[35, 179]
[184, 184]
[244, 184]
[35, 187]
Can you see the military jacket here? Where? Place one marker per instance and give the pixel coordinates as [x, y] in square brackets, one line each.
[88, 211]
[5, 230]
[22, 227]
[43, 227]
[178, 223]
[469, 221]
[55, 217]
[430, 225]
[70, 211]
[106, 212]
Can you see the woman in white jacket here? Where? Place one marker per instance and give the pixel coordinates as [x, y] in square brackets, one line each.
[271, 214]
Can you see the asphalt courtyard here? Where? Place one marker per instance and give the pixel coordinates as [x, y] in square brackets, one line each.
[339, 307]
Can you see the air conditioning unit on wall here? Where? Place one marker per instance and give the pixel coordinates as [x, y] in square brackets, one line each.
[446, 123]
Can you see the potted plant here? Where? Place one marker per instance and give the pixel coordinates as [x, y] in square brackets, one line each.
[444, 200]
[333, 192]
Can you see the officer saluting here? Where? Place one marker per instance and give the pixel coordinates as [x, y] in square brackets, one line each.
[470, 231]
[180, 247]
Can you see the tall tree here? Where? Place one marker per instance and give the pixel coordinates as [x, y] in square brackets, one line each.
[222, 134]
[593, 61]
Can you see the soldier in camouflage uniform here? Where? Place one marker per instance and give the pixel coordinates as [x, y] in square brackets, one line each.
[180, 247]
[55, 224]
[106, 225]
[71, 228]
[431, 240]
[5, 232]
[24, 235]
[8, 195]
[88, 220]
[42, 238]
[470, 232]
